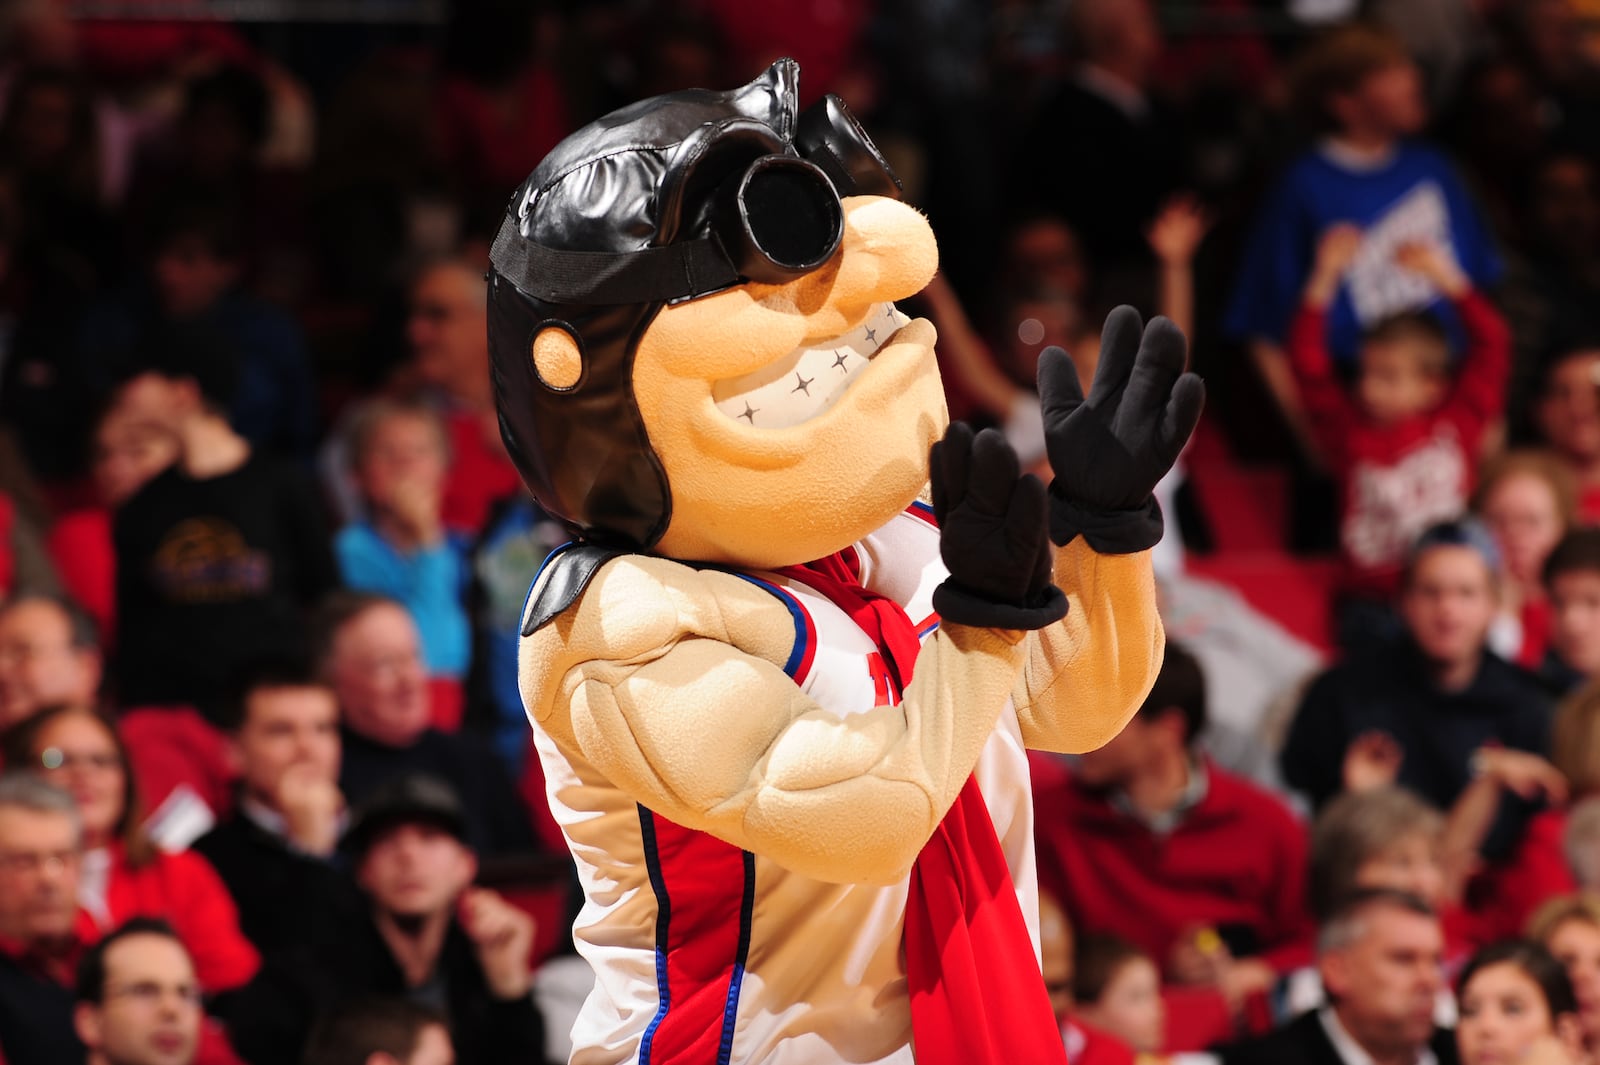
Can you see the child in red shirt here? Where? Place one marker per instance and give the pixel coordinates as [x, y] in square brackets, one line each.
[1404, 443]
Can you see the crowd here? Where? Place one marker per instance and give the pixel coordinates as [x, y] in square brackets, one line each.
[268, 792]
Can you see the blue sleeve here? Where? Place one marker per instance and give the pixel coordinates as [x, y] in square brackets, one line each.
[436, 579]
[1273, 268]
[367, 563]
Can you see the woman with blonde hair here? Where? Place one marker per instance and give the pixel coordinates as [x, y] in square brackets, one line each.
[1528, 500]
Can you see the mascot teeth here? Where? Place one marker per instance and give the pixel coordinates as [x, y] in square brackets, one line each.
[809, 380]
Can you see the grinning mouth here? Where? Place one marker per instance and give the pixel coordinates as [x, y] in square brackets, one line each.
[808, 380]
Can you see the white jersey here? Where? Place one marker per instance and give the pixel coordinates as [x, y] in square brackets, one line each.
[703, 952]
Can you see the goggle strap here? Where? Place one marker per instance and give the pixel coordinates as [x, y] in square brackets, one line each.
[680, 270]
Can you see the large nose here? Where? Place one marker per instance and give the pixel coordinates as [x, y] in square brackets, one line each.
[887, 253]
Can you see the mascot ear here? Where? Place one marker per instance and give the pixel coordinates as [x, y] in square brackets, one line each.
[557, 356]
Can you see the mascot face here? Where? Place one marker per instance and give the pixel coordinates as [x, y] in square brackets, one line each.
[693, 336]
[794, 419]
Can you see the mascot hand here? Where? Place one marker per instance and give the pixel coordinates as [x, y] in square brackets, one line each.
[1109, 451]
[991, 535]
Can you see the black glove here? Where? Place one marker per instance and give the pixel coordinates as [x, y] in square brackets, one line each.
[991, 535]
[1109, 452]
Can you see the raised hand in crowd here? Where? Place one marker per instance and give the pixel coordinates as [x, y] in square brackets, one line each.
[311, 805]
[1435, 263]
[1336, 250]
[502, 936]
[1372, 761]
[1174, 236]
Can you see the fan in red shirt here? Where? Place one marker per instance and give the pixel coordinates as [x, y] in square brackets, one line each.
[1528, 500]
[123, 874]
[1197, 868]
[1404, 443]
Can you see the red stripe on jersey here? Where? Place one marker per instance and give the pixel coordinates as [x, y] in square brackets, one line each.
[703, 881]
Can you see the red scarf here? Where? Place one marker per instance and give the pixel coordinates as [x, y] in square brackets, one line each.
[977, 997]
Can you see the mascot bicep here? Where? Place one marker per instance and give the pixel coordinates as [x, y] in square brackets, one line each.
[723, 742]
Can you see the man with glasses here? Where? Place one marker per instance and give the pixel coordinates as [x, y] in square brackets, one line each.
[41, 851]
[138, 998]
[368, 651]
[49, 654]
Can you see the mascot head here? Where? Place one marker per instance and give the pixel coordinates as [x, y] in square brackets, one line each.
[691, 324]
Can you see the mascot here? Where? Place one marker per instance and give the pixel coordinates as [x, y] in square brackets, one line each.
[784, 680]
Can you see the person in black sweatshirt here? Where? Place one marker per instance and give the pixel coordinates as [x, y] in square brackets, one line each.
[424, 934]
[1419, 712]
[221, 551]
[281, 841]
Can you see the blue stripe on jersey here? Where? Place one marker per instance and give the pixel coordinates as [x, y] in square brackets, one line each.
[797, 654]
[746, 912]
[922, 508]
[647, 828]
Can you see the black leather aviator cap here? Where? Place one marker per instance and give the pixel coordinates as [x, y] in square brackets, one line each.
[669, 199]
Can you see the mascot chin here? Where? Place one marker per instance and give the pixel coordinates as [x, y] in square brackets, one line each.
[784, 679]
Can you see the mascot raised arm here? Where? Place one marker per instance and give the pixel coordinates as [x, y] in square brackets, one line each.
[784, 680]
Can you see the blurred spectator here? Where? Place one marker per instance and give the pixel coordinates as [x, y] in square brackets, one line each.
[386, 1031]
[1547, 37]
[399, 455]
[216, 156]
[1360, 89]
[504, 564]
[1151, 842]
[369, 652]
[1497, 130]
[218, 554]
[1382, 839]
[1553, 282]
[1380, 956]
[195, 268]
[41, 857]
[1517, 1004]
[1106, 111]
[1572, 582]
[501, 107]
[49, 133]
[49, 655]
[1116, 988]
[279, 844]
[124, 875]
[1085, 1044]
[1570, 929]
[1404, 445]
[1416, 712]
[197, 271]
[1567, 415]
[449, 335]
[128, 453]
[427, 935]
[1506, 891]
[138, 998]
[1528, 501]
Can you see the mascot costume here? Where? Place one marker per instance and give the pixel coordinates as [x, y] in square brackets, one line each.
[784, 679]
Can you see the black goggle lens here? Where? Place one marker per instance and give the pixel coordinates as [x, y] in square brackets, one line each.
[829, 135]
[785, 220]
